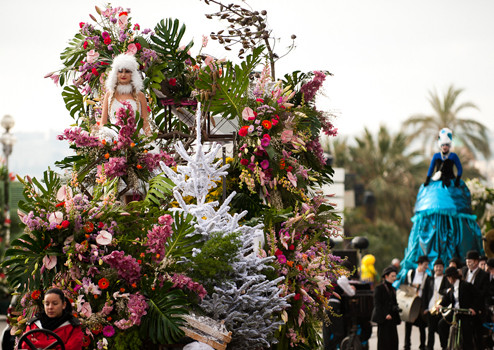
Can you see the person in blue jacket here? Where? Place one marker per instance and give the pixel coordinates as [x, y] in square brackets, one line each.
[442, 162]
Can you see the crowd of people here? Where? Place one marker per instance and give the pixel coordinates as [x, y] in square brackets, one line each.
[469, 287]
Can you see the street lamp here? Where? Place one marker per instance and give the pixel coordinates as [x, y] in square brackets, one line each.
[8, 141]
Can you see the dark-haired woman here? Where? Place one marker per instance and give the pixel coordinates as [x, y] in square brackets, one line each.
[57, 317]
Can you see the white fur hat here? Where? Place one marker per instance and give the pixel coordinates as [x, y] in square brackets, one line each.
[445, 137]
[124, 61]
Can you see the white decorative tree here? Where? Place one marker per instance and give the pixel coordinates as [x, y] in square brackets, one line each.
[248, 301]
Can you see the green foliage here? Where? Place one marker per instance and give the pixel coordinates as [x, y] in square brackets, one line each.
[213, 263]
[182, 242]
[74, 101]
[166, 42]
[163, 320]
[230, 87]
[129, 340]
[72, 55]
[160, 189]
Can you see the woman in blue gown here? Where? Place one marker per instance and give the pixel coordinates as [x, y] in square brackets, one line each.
[443, 224]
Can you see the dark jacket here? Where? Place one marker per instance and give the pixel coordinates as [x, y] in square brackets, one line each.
[385, 303]
[467, 295]
[481, 283]
[428, 291]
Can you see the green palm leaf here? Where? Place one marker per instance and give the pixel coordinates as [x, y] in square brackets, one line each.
[160, 189]
[231, 87]
[72, 55]
[183, 241]
[163, 319]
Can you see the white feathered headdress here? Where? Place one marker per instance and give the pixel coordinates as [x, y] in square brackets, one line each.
[124, 61]
[445, 137]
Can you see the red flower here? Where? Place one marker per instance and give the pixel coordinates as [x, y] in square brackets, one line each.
[107, 41]
[103, 283]
[85, 45]
[97, 329]
[266, 136]
[139, 166]
[35, 295]
[65, 223]
[282, 163]
[266, 124]
[296, 296]
[137, 26]
[274, 121]
[81, 24]
[88, 227]
[100, 224]
[291, 247]
[138, 46]
[123, 14]
[244, 130]
[172, 81]
[260, 100]
[289, 168]
[86, 340]
[299, 267]
[244, 161]
[61, 204]
[278, 252]
[94, 71]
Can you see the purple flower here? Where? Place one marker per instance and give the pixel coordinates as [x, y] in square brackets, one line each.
[310, 89]
[108, 331]
[115, 167]
[127, 266]
[79, 137]
[265, 164]
[265, 142]
[137, 308]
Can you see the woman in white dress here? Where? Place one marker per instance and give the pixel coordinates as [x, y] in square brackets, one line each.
[124, 84]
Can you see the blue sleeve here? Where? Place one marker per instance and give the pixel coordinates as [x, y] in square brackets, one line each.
[454, 157]
[433, 163]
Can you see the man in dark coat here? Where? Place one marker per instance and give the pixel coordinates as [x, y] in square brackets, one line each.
[386, 311]
[464, 296]
[416, 278]
[473, 274]
[434, 289]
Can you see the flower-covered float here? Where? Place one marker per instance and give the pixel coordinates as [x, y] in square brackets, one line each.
[243, 241]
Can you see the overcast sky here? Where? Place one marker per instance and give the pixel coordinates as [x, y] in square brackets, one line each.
[385, 54]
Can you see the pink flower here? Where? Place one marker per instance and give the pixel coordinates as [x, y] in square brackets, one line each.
[104, 237]
[123, 20]
[265, 164]
[85, 310]
[92, 56]
[204, 41]
[108, 331]
[259, 100]
[137, 26]
[132, 49]
[265, 142]
[281, 259]
[64, 193]
[208, 62]
[292, 178]
[286, 136]
[49, 262]
[248, 114]
[55, 78]
[56, 217]
[107, 41]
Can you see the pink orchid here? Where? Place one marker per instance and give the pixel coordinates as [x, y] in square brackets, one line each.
[55, 78]
[208, 62]
[286, 136]
[86, 310]
[292, 178]
[92, 56]
[49, 261]
[204, 40]
[131, 49]
[104, 237]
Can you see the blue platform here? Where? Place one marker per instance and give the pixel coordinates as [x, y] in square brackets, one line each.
[443, 226]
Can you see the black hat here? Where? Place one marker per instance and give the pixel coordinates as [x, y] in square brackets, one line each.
[490, 262]
[452, 272]
[422, 259]
[473, 255]
[457, 262]
[388, 270]
[483, 258]
[438, 261]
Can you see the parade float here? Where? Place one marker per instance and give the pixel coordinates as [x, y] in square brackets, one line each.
[241, 241]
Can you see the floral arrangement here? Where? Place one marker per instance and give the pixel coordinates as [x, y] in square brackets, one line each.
[117, 153]
[126, 266]
[117, 271]
[482, 199]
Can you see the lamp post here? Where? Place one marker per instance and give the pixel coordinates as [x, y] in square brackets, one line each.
[8, 141]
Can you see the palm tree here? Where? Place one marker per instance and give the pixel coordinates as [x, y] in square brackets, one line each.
[471, 133]
[386, 168]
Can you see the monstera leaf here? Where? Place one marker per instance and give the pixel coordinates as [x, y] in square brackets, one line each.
[72, 55]
[74, 101]
[163, 319]
[166, 42]
[230, 87]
